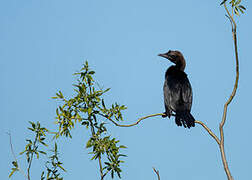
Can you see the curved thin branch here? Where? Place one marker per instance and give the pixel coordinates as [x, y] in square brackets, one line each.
[138, 121]
[209, 131]
[15, 158]
[223, 156]
[160, 114]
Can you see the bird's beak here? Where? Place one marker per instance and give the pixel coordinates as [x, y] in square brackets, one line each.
[164, 55]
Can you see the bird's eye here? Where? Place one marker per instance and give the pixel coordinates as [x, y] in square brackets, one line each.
[173, 56]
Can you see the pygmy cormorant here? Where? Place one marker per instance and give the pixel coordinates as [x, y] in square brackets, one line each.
[177, 91]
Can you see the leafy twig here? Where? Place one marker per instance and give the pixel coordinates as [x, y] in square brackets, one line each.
[32, 154]
[15, 162]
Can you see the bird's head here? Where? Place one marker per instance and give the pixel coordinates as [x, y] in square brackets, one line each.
[176, 57]
[173, 56]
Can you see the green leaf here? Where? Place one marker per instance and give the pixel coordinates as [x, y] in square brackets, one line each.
[55, 147]
[89, 110]
[12, 172]
[61, 167]
[242, 7]
[31, 129]
[106, 90]
[237, 2]
[112, 174]
[103, 104]
[61, 95]
[122, 146]
[223, 2]
[42, 152]
[44, 144]
[91, 72]
[89, 143]
[22, 152]
[241, 10]
[14, 163]
[37, 154]
[236, 11]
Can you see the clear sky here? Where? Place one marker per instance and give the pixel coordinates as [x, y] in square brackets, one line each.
[43, 42]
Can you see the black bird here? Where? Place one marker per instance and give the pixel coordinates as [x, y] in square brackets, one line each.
[177, 91]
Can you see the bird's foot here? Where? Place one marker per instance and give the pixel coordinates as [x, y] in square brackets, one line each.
[165, 114]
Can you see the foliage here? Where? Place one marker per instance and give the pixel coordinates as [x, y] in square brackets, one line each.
[236, 6]
[88, 108]
[33, 148]
[53, 166]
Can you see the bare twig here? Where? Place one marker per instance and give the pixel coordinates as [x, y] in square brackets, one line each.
[11, 146]
[209, 131]
[160, 114]
[15, 158]
[157, 172]
[221, 146]
[138, 121]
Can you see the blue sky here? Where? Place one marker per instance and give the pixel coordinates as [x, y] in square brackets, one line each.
[43, 42]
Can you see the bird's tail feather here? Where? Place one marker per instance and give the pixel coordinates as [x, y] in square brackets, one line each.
[185, 118]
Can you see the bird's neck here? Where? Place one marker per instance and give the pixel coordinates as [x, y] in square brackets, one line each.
[181, 64]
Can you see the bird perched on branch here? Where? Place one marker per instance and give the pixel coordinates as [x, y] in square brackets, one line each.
[177, 90]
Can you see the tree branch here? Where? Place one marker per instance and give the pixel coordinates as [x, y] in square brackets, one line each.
[224, 116]
[30, 162]
[160, 114]
[12, 151]
[137, 122]
[100, 165]
[157, 172]
[209, 131]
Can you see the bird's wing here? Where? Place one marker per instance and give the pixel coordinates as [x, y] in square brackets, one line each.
[167, 97]
[172, 93]
[186, 91]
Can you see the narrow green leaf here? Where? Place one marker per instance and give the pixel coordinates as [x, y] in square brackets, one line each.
[106, 90]
[61, 95]
[241, 10]
[12, 172]
[89, 110]
[55, 147]
[61, 167]
[236, 11]
[242, 7]
[89, 144]
[14, 163]
[37, 154]
[112, 174]
[22, 152]
[237, 2]
[42, 152]
[223, 2]
[44, 144]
